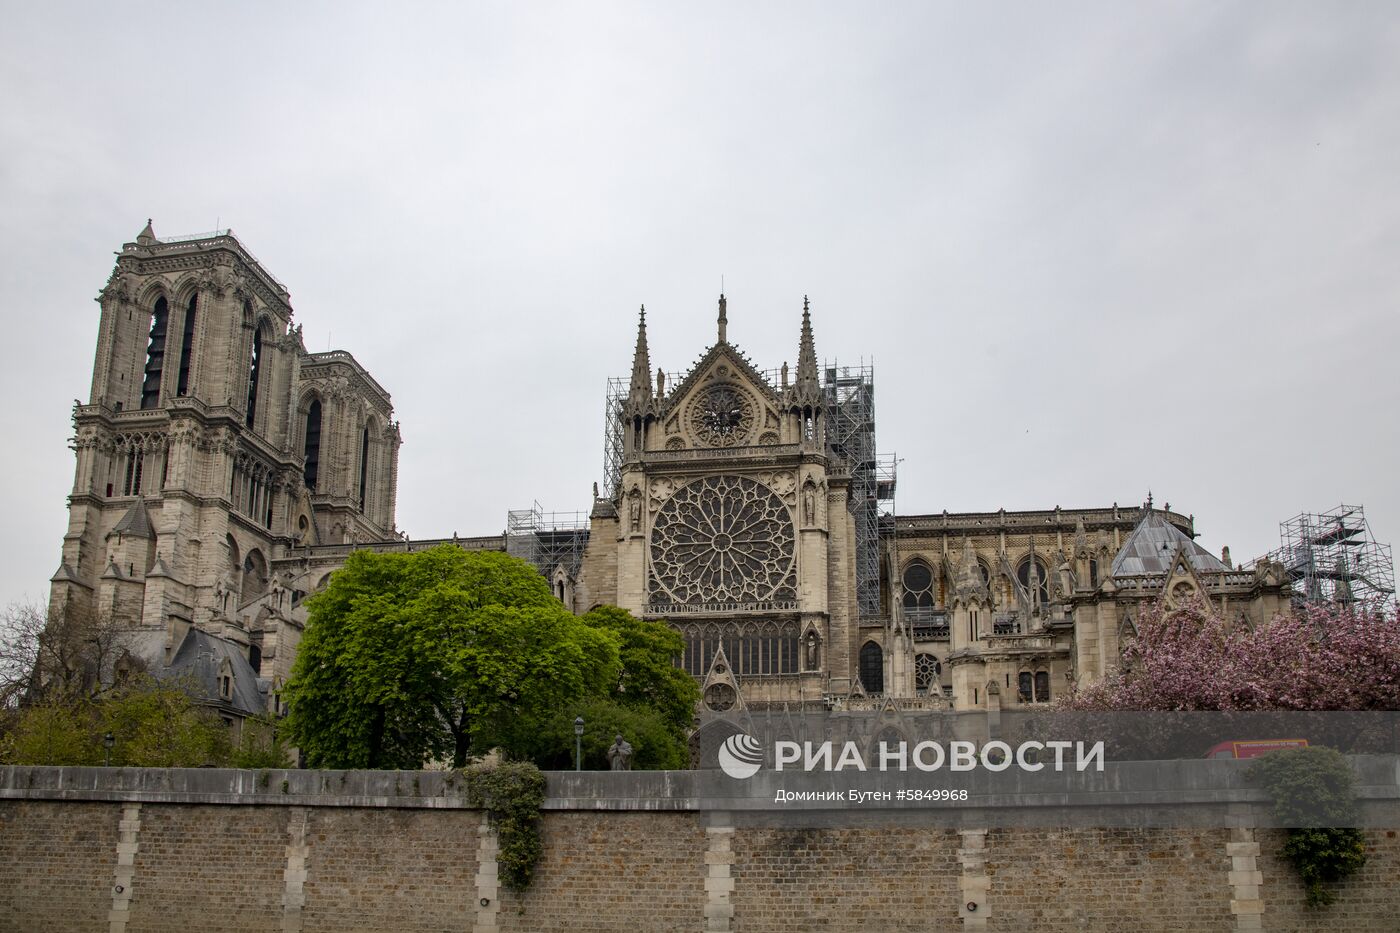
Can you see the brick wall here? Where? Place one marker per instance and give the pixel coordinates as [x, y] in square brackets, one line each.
[208, 868]
[824, 879]
[406, 870]
[233, 851]
[56, 865]
[1109, 879]
[1368, 901]
[613, 871]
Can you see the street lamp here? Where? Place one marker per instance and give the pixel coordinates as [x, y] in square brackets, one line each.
[578, 744]
[108, 741]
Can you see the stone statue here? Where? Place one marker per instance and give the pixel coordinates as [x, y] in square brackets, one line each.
[809, 505]
[220, 596]
[595, 489]
[620, 754]
[813, 652]
[634, 510]
[660, 383]
[1066, 576]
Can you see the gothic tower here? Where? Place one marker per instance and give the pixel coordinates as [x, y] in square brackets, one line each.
[211, 444]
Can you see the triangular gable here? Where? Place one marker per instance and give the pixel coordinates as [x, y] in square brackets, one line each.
[739, 368]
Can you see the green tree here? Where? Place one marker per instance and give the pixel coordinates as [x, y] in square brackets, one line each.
[413, 656]
[153, 723]
[650, 678]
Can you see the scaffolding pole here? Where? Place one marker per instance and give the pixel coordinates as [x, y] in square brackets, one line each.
[850, 438]
[547, 539]
[1332, 557]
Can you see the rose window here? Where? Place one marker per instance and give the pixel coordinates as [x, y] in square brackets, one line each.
[722, 539]
[722, 416]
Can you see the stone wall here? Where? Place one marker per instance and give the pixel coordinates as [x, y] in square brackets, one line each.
[148, 850]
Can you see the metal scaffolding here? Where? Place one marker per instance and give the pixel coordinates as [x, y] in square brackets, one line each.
[612, 434]
[547, 539]
[1333, 557]
[850, 437]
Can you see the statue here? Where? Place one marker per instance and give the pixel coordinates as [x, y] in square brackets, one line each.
[660, 382]
[634, 510]
[809, 504]
[620, 754]
[595, 489]
[220, 597]
[1066, 576]
[813, 652]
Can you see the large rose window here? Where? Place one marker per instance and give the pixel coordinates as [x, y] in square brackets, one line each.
[722, 539]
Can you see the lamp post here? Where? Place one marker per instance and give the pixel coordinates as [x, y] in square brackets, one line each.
[578, 744]
[108, 741]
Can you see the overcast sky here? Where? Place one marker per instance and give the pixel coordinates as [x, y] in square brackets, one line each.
[1092, 249]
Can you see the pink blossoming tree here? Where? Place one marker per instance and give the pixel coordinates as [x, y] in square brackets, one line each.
[1315, 658]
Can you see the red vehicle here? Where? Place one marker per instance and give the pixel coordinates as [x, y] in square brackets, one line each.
[1253, 748]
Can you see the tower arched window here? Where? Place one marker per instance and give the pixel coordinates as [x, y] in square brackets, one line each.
[155, 355]
[364, 465]
[254, 374]
[918, 587]
[312, 451]
[872, 668]
[182, 387]
[1023, 573]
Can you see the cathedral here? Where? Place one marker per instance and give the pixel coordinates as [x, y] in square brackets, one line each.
[224, 472]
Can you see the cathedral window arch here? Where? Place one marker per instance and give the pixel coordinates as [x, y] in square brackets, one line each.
[918, 582]
[1023, 575]
[1033, 686]
[155, 354]
[364, 466]
[927, 671]
[311, 448]
[255, 374]
[182, 384]
[254, 577]
[872, 668]
[755, 649]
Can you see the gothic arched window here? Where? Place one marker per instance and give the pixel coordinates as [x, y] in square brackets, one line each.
[364, 465]
[926, 671]
[182, 387]
[1023, 574]
[155, 355]
[872, 668]
[254, 374]
[1042, 686]
[918, 585]
[1023, 687]
[312, 450]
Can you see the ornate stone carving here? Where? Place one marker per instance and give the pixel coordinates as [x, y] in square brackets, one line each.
[722, 416]
[723, 539]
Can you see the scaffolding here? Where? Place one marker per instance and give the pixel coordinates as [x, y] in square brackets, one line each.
[1333, 557]
[850, 437]
[547, 539]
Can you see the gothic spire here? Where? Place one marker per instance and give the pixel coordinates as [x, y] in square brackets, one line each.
[723, 320]
[807, 383]
[640, 392]
[147, 236]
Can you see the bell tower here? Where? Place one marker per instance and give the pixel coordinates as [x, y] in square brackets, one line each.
[193, 450]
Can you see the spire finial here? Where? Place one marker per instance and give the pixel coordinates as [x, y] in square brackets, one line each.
[1149, 500]
[640, 391]
[723, 319]
[807, 383]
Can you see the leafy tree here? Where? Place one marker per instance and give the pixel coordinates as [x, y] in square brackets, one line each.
[154, 724]
[549, 742]
[413, 656]
[650, 678]
[1315, 658]
[55, 659]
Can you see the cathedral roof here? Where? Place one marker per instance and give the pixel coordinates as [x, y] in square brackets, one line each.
[135, 522]
[197, 661]
[1151, 546]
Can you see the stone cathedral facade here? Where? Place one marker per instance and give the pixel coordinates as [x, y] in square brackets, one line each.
[224, 472]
